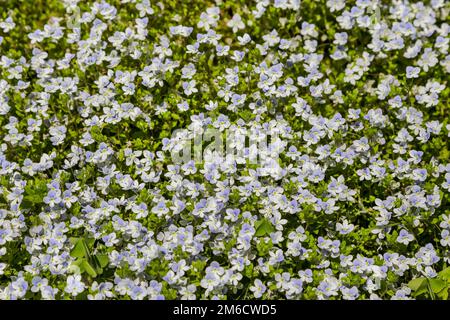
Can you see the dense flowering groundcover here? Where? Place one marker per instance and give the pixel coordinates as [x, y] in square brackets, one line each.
[349, 199]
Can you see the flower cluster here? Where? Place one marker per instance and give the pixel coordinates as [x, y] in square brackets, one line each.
[354, 206]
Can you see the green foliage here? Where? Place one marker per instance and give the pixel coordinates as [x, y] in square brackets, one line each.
[86, 261]
[263, 227]
[432, 288]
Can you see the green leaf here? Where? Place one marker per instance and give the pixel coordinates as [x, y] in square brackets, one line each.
[74, 268]
[88, 268]
[415, 284]
[443, 294]
[445, 274]
[78, 262]
[263, 227]
[73, 240]
[248, 271]
[89, 242]
[438, 285]
[34, 198]
[79, 250]
[102, 260]
[418, 286]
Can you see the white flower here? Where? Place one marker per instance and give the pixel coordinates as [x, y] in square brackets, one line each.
[236, 23]
[74, 285]
[258, 288]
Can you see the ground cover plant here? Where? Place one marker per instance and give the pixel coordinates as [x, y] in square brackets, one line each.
[337, 113]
